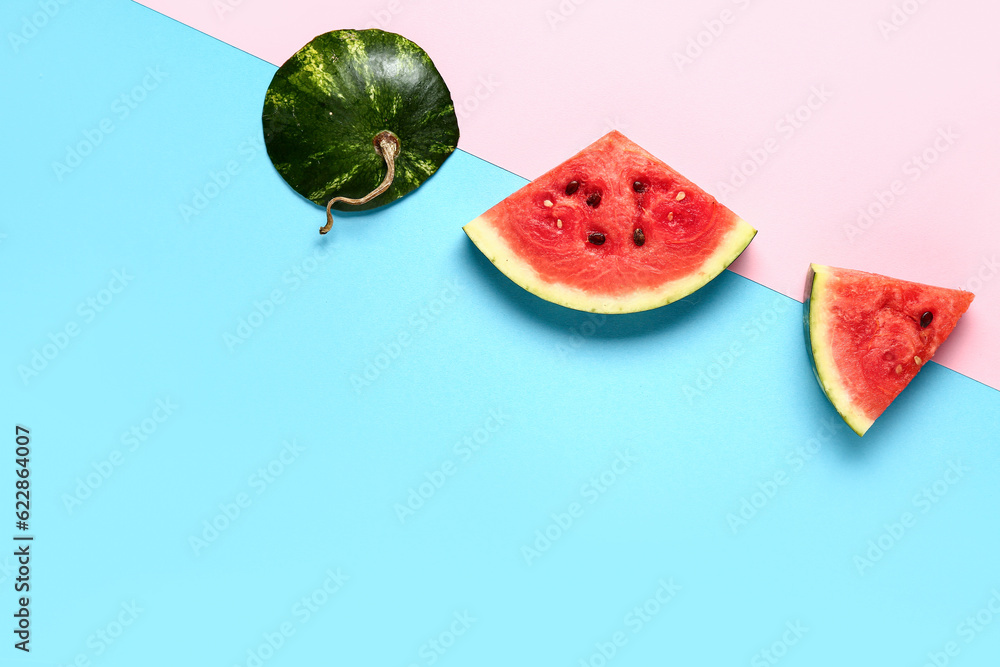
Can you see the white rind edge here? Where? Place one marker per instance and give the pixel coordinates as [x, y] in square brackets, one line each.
[822, 355]
[482, 233]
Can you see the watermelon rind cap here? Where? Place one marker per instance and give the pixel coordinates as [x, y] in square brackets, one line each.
[327, 103]
[817, 327]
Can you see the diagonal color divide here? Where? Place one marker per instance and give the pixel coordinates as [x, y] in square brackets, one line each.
[370, 444]
[853, 134]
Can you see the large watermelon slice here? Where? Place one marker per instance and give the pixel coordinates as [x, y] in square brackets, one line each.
[611, 230]
[869, 335]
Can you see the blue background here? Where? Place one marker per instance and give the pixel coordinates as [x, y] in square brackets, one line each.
[708, 406]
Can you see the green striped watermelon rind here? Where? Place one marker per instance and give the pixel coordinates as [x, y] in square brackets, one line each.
[496, 249]
[325, 105]
[821, 355]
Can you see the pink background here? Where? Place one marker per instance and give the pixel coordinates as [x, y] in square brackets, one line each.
[534, 82]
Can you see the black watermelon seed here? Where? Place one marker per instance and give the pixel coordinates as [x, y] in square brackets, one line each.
[639, 237]
[594, 200]
[639, 186]
[596, 238]
[572, 187]
[926, 319]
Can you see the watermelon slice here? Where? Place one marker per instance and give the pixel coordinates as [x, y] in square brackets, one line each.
[869, 336]
[611, 230]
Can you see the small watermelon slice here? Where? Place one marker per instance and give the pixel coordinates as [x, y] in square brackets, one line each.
[613, 229]
[869, 335]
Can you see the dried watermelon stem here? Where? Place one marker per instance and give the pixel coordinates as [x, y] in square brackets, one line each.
[387, 145]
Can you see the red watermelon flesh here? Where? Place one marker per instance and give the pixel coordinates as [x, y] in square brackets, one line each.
[612, 229]
[870, 335]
